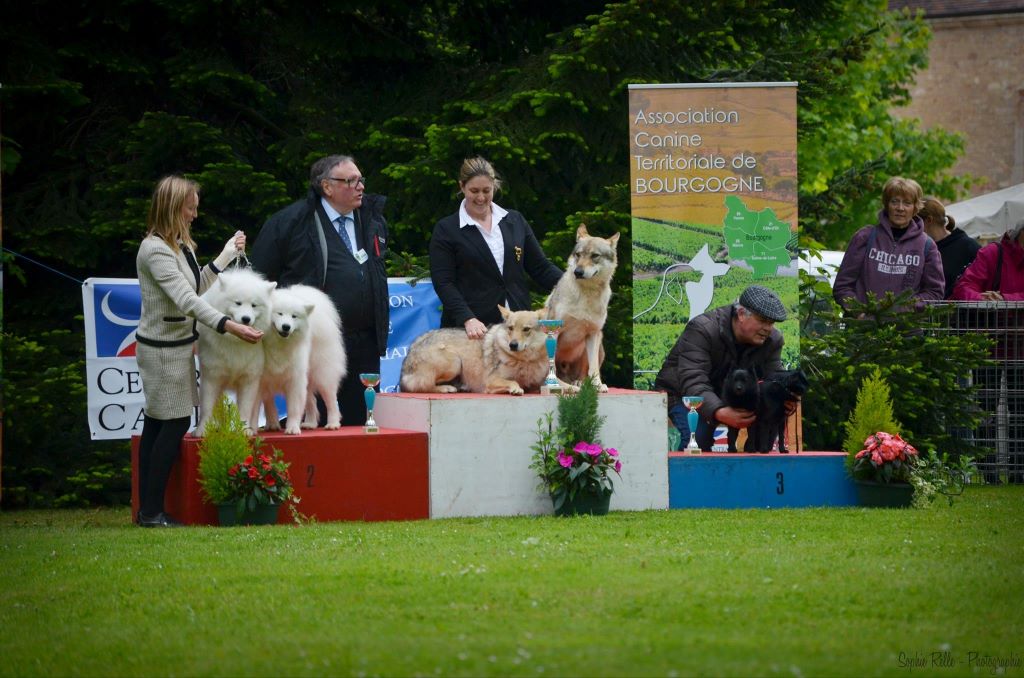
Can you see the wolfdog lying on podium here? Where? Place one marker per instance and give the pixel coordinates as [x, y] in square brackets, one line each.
[511, 358]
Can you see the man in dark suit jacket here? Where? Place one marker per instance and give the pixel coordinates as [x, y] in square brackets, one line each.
[465, 251]
[335, 240]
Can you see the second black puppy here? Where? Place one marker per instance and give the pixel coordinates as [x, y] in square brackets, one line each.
[740, 390]
[775, 391]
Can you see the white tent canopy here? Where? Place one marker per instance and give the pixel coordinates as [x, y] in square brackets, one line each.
[828, 260]
[988, 216]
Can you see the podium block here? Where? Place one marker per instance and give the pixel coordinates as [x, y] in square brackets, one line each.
[480, 448]
[722, 480]
[338, 475]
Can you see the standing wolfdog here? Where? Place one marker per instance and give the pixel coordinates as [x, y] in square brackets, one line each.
[511, 358]
[580, 300]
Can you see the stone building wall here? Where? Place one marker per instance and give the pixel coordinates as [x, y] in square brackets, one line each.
[974, 84]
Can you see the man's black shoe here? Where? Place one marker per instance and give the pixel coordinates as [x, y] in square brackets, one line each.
[159, 520]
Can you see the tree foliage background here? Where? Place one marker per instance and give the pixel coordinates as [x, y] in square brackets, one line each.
[101, 99]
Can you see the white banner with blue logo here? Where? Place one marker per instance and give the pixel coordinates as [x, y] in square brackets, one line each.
[112, 307]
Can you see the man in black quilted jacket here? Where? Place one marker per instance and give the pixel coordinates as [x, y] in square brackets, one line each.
[740, 335]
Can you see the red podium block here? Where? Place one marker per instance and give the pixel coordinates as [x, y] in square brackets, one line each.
[339, 475]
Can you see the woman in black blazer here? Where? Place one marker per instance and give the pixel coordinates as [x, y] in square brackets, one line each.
[480, 256]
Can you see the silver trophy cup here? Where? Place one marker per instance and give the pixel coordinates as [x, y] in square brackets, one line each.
[552, 327]
[692, 402]
[370, 381]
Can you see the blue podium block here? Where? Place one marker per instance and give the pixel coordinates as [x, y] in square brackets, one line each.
[720, 480]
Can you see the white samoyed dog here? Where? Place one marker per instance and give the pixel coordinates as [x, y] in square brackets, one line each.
[225, 361]
[304, 355]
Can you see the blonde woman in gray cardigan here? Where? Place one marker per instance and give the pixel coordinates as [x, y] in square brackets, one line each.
[171, 281]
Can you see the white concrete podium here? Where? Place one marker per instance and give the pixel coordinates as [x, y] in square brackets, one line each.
[479, 448]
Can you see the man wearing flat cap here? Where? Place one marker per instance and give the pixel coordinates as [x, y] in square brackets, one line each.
[740, 335]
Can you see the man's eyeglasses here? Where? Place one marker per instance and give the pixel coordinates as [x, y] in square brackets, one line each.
[351, 183]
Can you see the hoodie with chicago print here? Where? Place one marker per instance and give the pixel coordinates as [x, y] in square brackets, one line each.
[876, 262]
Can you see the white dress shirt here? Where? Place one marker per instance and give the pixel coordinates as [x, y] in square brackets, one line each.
[495, 241]
[350, 221]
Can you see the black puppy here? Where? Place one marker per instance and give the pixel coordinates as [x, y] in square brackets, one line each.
[775, 391]
[739, 390]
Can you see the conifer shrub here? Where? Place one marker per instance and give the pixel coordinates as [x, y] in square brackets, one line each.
[577, 415]
[872, 413]
[225, 444]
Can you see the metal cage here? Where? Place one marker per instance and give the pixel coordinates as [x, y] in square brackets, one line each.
[1000, 386]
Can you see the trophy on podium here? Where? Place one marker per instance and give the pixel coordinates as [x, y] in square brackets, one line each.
[692, 402]
[551, 327]
[370, 380]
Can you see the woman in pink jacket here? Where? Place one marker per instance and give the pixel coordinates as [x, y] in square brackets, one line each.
[997, 273]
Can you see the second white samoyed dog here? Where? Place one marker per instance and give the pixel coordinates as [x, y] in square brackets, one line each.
[304, 355]
[225, 361]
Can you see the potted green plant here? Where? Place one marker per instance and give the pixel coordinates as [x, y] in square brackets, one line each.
[888, 470]
[260, 486]
[876, 457]
[573, 467]
[882, 470]
[247, 486]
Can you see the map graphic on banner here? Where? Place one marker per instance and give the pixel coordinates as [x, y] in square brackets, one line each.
[757, 238]
[112, 307]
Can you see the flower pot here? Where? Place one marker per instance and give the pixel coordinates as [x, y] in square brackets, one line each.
[263, 514]
[884, 495]
[590, 503]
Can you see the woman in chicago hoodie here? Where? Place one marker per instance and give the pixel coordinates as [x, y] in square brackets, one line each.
[895, 254]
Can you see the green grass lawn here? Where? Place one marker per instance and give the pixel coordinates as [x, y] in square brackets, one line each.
[746, 592]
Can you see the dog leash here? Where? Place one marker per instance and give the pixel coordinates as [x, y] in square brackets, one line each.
[240, 261]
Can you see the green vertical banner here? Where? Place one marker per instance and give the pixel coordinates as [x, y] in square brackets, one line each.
[713, 182]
